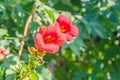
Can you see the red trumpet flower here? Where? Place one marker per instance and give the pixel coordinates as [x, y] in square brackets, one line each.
[66, 27]
[49, 38]
[2, 53]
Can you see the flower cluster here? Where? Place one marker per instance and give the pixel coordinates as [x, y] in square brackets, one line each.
[2, 53]
[51, 38]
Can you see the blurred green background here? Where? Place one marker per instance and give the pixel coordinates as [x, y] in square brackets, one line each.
[93, 55]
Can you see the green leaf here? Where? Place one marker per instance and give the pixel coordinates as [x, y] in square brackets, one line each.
[3, 32]
[65, 46]
[61, 74]
[86, 24]
[34, 26]
[2, 72]
[55, 1]
[114, 75]
[10, 74]
[106, 21]
[50, 14]
[97, 29]
[10, 77]
[93, 77]
[75, 46]
[79, 75]
[18, 15]
[9, 61]
[45, 74]
[2, 11]
[33, 76]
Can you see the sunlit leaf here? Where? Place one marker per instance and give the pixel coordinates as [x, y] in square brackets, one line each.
[3, 32]
[33, 76]
[50, 14]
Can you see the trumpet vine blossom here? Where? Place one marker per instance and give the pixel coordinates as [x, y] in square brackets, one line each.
[66, 27]
[2, 53]
[49, 38]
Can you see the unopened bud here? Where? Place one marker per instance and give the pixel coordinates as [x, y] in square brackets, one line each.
[32, 50]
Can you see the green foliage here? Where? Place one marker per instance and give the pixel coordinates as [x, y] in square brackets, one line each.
[3, 32]
[45, 74]
[93, 55]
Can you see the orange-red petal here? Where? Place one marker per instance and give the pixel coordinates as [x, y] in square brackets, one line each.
[74, 31]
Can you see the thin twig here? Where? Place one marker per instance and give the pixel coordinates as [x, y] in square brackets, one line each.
[26, 30]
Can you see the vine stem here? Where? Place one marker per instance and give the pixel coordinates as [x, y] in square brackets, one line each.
[26, 30]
